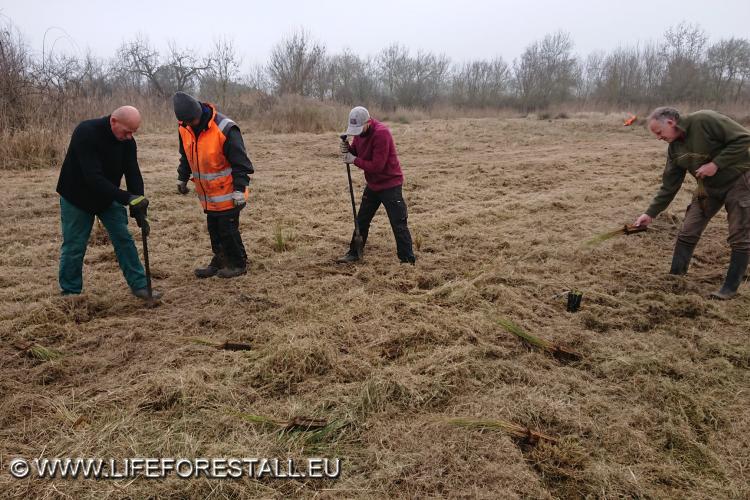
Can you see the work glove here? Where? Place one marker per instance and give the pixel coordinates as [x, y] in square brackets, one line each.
[348, 157]
[238, 198]
[344, 147]
[139, 211]
[182, 187]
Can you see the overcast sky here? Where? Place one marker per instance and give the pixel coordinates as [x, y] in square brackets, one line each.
[462, 30]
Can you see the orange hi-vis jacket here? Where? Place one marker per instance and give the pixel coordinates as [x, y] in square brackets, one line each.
[211, 171]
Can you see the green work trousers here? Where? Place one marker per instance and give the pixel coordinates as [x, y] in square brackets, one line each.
[76, 229]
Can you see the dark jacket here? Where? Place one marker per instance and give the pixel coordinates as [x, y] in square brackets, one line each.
[95, 165]
[708, 136]
[376, 155]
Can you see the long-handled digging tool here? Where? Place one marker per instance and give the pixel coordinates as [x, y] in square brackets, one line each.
[150, 302]
[358, 243]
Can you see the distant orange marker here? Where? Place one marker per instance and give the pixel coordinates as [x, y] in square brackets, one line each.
[630, 120]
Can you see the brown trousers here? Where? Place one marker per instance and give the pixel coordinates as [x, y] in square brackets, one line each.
[736, 200]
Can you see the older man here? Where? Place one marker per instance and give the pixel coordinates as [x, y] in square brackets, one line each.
[101, 152]
[714, 149]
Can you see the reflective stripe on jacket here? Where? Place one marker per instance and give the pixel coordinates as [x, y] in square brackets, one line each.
[211, 171]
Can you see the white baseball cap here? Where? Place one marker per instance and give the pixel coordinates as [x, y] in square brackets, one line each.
[357, 118]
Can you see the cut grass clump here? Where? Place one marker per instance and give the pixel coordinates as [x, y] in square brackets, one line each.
[560, 352]
[43, 353]
[226, 345]
[626, 229]
[298, 430]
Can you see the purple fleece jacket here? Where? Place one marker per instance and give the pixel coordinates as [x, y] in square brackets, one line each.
[376, 155]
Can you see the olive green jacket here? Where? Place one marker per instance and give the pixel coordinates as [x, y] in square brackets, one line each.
[709, 136]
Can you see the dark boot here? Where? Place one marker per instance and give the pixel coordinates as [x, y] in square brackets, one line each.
[142, 293]
[232, 272]
[348, 258]
[681, 258]
[735, 274]
[211, 269]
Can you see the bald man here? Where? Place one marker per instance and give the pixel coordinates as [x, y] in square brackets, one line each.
[101, 152]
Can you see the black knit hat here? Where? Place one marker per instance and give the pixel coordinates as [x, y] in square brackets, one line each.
[186, 107]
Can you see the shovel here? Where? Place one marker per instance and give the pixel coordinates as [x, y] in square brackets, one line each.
[150, 301]
[358, 244]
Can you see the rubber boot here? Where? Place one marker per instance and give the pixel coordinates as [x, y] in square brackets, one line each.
[217, 261]
[681, 258]
[735, 274]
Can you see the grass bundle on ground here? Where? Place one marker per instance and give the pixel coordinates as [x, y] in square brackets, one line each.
[527, 435]
[297, 423]
[42, 353]
[226, 345]
[316, 430]
[625, 229]
[558, 351]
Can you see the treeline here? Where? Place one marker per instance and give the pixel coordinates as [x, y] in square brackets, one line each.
[683, 67]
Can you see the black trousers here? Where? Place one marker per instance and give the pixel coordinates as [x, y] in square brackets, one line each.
[395, 206]
[226, 242]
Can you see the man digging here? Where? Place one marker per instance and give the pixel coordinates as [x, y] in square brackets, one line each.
[101, 152]
[373, 150]
[714, 149]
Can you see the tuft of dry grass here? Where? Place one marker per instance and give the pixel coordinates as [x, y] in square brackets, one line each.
[30, 149]
[556, 350]
[42, 353]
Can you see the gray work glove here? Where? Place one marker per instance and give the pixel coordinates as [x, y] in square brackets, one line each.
[344, 147]
[182, 187]
[238, 198]
[348, 157]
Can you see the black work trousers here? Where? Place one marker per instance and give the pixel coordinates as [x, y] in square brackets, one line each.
[395, 206]
[226, 242]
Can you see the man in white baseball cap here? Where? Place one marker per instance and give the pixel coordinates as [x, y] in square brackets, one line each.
[358, 118]
[373, 151]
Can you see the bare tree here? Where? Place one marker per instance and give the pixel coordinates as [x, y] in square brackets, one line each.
[728, 63]
[682, 51]
[481, 83]
[185, 67]
[141, 59]
[353, 80]
[390, 62]
[222, 70]
[415, 81]
[293, 62]
[547, 72]
[15, 80]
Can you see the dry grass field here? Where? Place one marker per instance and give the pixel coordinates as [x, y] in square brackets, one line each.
[388, 354]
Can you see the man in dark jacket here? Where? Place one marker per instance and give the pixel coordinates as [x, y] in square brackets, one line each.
[373, 150]
[714, 149]
[213, 154]
[101, 152]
